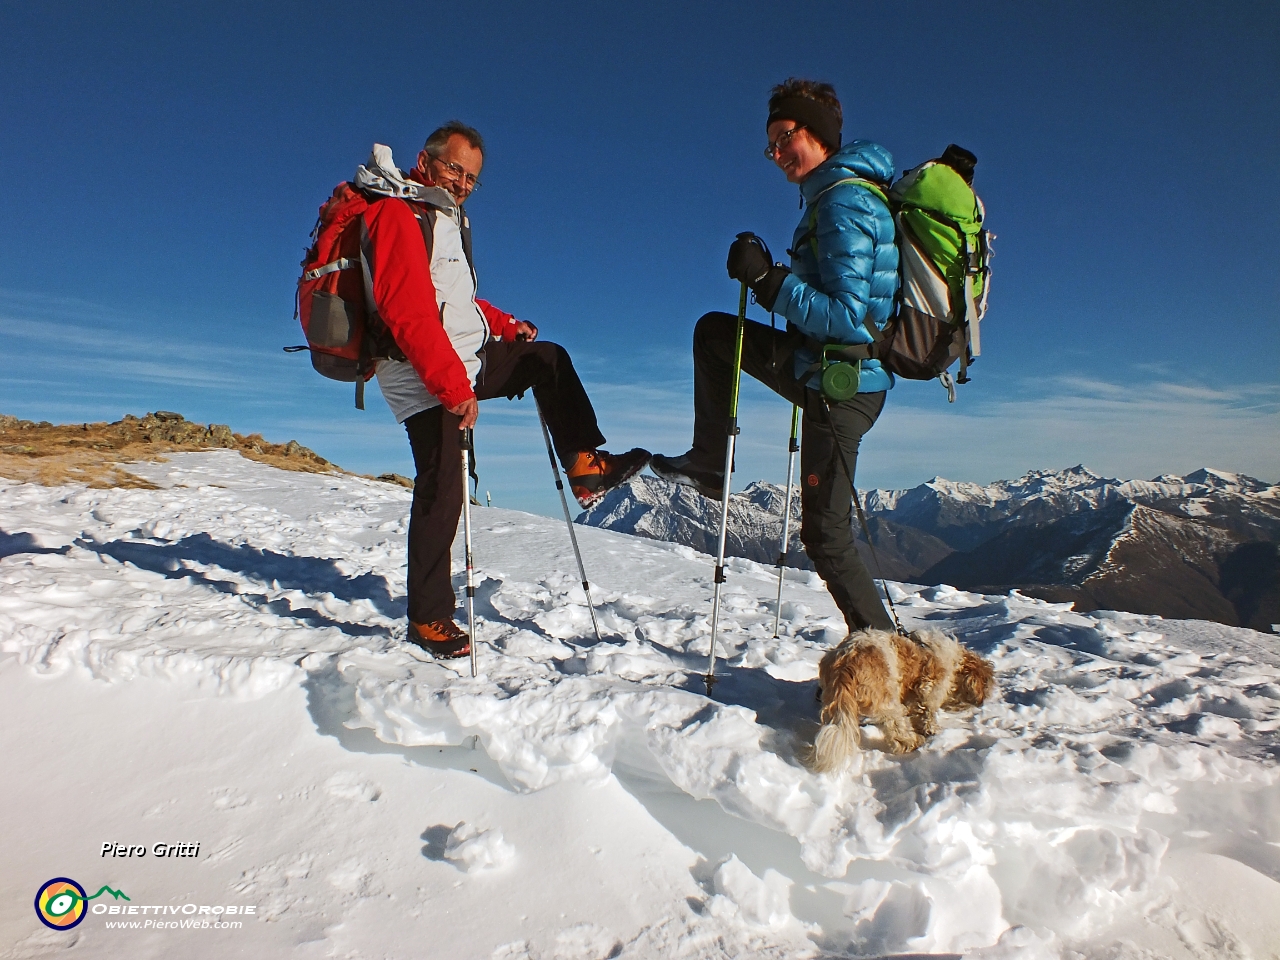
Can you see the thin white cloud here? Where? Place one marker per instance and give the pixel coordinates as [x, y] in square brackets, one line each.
[1156, 369]
[56, 339]
[1183, 391]
[1077, 386]
[1132, 430]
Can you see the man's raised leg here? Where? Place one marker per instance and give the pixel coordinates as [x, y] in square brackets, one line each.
[510, 368]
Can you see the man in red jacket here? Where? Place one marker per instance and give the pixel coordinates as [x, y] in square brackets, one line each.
[457, 350]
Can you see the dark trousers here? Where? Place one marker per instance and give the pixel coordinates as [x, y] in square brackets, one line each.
[509, 369]
[832, 432]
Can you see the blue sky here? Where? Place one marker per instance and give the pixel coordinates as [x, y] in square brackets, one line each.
[164, 163]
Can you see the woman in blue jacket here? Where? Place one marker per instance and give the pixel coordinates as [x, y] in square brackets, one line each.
[843, 277]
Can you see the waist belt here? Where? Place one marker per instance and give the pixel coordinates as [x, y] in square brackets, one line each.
[853, 352]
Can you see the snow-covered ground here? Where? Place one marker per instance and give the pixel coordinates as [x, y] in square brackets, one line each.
[221, 662]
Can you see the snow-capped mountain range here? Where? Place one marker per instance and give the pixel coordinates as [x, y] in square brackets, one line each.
[1202, 545]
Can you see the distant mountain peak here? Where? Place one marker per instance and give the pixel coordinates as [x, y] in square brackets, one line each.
[1172, 545]
[1217, 478]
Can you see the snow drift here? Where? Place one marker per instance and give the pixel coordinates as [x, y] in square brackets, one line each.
[1100, 804]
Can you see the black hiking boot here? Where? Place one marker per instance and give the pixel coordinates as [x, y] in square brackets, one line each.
[683, 469]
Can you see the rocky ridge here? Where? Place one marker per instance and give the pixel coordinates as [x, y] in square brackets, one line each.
[96, 454]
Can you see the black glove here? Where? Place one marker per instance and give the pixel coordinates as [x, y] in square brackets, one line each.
[749, 259]
[750, 262]
[769, 286]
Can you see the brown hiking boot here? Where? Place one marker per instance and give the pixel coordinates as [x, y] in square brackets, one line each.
[594, 473]
[442, 639]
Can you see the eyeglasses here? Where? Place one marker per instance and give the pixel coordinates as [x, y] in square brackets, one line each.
[457, 173]
[771, 151]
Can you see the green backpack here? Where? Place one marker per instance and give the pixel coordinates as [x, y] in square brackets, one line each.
[944, 273]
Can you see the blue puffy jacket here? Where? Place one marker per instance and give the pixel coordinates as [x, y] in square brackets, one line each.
[855, 273]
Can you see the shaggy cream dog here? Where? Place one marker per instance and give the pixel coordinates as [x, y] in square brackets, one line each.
[898, 683]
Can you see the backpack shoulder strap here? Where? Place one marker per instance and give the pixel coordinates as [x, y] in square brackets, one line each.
[870, 185]
[812, 234]
[427, 221]
[465, 230]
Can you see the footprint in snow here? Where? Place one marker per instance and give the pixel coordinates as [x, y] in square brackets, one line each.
[346, 785]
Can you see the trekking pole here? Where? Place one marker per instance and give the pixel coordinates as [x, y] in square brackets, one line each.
[710, 677]
[468, 447]
[792, 447]
[573, 537]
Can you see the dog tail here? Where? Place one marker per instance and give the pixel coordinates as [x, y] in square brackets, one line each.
[838, 737]
[836, 743]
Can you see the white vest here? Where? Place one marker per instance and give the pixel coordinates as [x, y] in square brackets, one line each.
[464, 323]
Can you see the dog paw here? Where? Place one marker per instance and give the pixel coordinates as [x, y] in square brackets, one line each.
[902, 745]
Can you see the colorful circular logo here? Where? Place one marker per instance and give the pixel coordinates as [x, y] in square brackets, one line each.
[60, 904]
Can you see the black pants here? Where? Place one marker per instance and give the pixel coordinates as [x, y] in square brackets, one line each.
[832, 432]
[509, 369]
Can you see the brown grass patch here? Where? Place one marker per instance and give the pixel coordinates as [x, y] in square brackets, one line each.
[96, 454]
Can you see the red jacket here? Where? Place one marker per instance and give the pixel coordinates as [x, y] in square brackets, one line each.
[406, 299]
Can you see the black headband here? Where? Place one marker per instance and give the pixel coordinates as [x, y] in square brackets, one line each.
[818, 117]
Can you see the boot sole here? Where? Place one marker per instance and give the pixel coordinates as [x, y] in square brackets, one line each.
[711, 493]
[445, 649]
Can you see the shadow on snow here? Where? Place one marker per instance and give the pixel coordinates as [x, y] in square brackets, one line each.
[310, 575]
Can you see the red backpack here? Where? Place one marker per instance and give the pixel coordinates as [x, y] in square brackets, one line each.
[345, 336]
